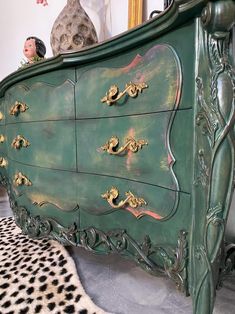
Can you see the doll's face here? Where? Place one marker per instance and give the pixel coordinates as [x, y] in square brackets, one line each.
[30, 49]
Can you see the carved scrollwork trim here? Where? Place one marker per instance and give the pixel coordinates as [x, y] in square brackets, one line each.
[118, 241]
[202, 256]
[177, 271]
[203, 170]
[215, 118]
[36, 227]
[207, 116]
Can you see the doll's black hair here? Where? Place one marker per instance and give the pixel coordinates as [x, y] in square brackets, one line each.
[40, 46]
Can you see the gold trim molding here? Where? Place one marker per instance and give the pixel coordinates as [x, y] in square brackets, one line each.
[135, 13]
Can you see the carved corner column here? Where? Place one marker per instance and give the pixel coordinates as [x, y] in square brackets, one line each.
[214, 148]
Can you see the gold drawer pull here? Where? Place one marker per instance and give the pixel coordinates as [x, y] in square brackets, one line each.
[20, 142]
[21, 179]
[1, 115]
[113, 94]
[130, 200]
[3, 162]
[130, 145]
[2, 138]
[17, 108]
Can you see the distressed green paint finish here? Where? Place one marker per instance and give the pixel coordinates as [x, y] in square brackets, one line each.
[47, 186]
[86, 190]
[59, 135]
[91, 187]
[45, 101]
[153, 164]
[159, 68]
[185, 173]
[52, 77]
[122, 219]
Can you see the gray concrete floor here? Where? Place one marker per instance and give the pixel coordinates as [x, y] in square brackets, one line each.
[120, 287]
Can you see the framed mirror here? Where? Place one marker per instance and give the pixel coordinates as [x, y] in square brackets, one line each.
[140, 10]
[135, 13]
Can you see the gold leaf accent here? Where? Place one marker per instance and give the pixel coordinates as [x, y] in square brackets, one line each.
[113, 94]
[130, 200]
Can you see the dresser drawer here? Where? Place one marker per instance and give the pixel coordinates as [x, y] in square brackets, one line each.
[135, 147]
[43, 188]
[64, 191]
[100, 196]
[49, 144]
[43, 98]
[119, 223]
[158, 68]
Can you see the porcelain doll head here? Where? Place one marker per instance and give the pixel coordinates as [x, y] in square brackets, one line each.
[34, 48]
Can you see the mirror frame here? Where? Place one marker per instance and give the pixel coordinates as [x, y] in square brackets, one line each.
[135, 13]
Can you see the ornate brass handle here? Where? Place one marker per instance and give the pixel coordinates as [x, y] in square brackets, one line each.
[113, 94]
[2, 138]
[19, 142]
[130, 145]
[1, 115]
[130, 200]
[17, 108]
[21, 179]
[3, 162]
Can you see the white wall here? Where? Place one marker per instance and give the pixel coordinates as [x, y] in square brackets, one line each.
[22, 18]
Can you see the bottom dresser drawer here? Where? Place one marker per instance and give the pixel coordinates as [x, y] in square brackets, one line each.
[55, 193]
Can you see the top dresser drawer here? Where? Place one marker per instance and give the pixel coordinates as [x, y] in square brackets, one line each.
[44, 97]
[104, 91]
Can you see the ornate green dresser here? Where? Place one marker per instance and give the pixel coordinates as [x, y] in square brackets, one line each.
[128, 146]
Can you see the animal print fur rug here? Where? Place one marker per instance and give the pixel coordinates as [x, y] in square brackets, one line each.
[38, 276]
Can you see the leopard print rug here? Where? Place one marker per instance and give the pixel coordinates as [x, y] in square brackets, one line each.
[38, 276]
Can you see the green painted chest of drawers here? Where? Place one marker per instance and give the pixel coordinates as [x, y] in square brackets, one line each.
[128, 146]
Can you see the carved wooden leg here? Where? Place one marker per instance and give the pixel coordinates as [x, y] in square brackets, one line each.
[203, 300]
[214, 159]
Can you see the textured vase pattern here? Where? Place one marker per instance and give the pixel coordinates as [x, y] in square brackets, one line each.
[72, 30]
